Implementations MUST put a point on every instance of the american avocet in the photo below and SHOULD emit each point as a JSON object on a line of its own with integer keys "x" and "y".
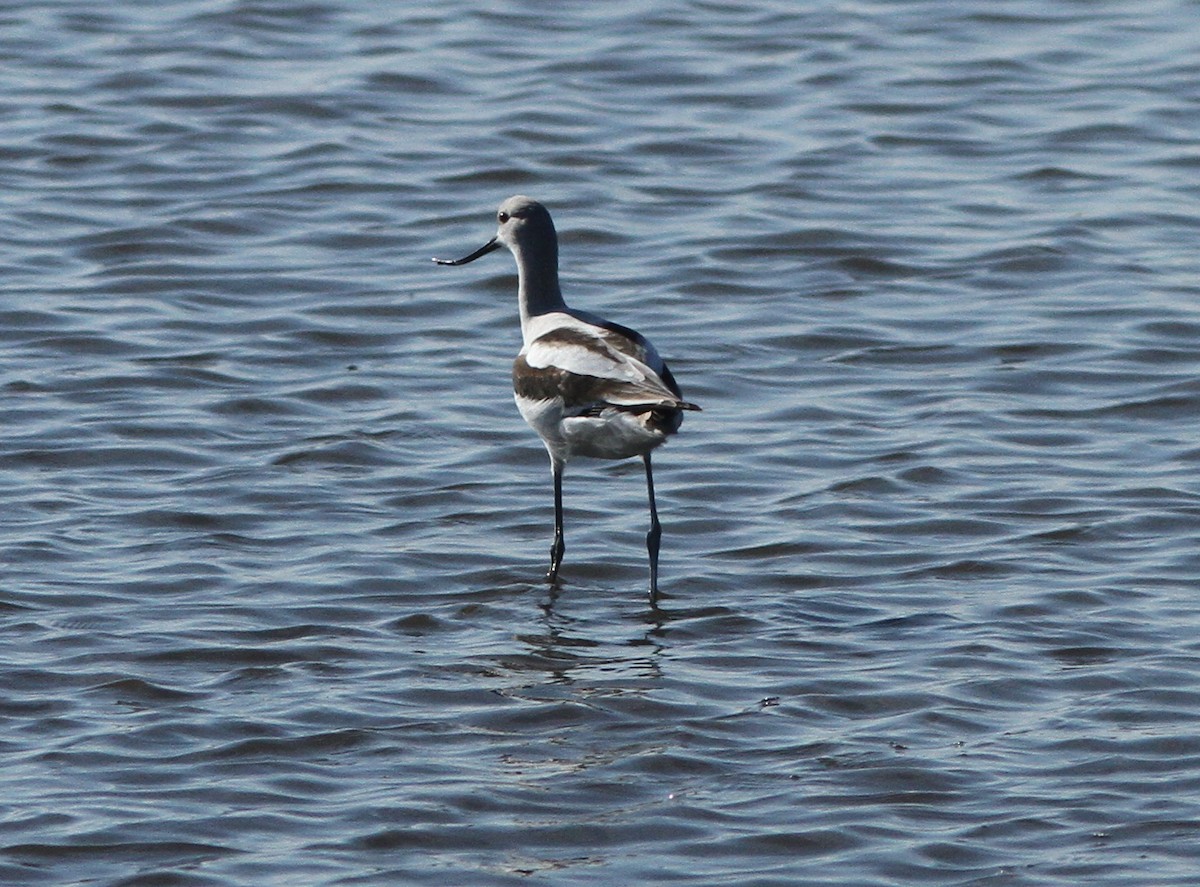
{"x": 587, "y": 386}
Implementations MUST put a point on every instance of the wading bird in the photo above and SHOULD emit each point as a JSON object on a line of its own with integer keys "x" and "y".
{"x": 587, "y": 386}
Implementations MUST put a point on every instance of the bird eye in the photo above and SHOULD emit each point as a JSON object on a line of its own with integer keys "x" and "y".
{"x": 503, "y": 217}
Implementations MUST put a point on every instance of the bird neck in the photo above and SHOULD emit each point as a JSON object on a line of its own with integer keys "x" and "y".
{"x": 537, "y": 275}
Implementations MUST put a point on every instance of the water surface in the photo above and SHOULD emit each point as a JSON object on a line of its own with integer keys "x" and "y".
{"x": 274, "y": 533}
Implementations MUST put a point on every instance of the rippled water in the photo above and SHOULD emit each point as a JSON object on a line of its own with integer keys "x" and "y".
{"x": 274, "y": 534}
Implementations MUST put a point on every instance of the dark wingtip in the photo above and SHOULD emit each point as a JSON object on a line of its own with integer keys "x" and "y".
{"x": 639, "y": 408}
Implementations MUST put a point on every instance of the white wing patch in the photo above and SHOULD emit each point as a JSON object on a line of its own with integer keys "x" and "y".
{"x": 584, "y": 356}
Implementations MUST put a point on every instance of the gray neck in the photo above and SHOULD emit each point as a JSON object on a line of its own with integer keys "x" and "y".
{"x": 537, "y": 274}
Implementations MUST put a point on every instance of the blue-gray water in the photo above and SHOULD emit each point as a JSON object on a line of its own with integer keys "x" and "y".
{"x": 273, "y": 532}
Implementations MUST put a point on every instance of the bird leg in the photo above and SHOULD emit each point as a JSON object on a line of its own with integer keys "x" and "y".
{"x": 652, "y": 537}
{"x": 558, "y": 547}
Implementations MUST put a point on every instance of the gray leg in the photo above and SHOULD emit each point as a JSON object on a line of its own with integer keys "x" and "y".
{"x": 558, "y": 547}
{"x": 655, "y": 534}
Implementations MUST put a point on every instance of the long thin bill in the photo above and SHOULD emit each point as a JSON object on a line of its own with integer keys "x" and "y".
{"x": 492, "y": 244}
